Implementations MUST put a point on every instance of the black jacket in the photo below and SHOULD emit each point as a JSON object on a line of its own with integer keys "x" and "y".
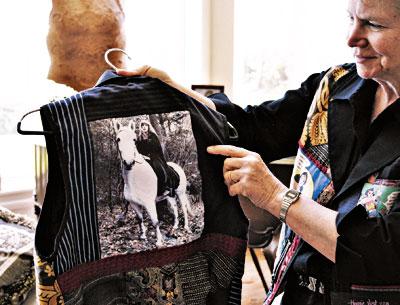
{"x": 360, "y": 155}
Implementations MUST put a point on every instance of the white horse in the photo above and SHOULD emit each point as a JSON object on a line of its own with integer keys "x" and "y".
{"x": 140, "y": 182}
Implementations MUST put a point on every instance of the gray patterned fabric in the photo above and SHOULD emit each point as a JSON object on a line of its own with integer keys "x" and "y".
{"x": 16, "y": 258}
{"x": 204, "y": 278}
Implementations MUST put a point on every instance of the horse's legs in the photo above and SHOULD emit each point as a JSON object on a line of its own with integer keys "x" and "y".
{"x": 151, "y": 209}
{"x": 121, "y": 217}
{"x": 185, "y": 204}
{"x": 140, "y": 216}
{"x": 174, "y": 206}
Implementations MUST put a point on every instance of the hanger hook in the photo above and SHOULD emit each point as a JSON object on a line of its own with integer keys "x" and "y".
{"x": 114, "y": 50}
{"x": 31, "y": 132}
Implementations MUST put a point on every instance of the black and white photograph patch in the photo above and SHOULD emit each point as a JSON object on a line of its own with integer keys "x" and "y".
{"x": 148, "y": 185}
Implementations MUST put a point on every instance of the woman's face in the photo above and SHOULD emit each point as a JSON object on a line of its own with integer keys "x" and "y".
{"x": 145, "y": 127}
{"x": 374, "y": 35}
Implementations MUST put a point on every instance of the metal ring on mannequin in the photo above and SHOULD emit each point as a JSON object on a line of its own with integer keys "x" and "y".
{"x": 114, "y": 50}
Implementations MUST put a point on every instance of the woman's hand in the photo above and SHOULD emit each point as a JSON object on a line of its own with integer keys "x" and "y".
{"x": 246, "y": 174}
{"x": 146, "y": 71}
{"x": 164, "y": 77}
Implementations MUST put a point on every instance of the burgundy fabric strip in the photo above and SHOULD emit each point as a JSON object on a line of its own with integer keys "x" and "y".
{"x": 72, "y": 279}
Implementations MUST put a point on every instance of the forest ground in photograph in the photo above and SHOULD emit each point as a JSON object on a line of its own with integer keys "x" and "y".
{"x": 123, "y": 236}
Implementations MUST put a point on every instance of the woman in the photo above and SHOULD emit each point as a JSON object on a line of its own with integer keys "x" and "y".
{"x": 149, "y": 145}
{"x": 331, "y": 251}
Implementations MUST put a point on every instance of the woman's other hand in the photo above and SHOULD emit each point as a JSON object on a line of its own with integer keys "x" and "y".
{"x": 147, "y": 70}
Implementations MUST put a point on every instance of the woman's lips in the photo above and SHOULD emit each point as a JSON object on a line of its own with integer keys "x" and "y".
{"x": 362, "y": 58}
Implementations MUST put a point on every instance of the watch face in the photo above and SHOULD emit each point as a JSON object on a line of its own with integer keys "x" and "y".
{"x": 292, "y": 194}
{"x": 289, "y": 198}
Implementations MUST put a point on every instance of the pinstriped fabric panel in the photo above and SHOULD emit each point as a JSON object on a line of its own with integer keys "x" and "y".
{"x": 195, "y": 278}
{"x": 235, "y": 293}
{"x": 206, "y": 272}
{"x": 78, "y": 243}
{"x": 228, "y": 272}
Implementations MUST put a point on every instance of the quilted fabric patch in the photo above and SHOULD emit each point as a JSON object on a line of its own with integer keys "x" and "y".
{"x": 379, "y": 195}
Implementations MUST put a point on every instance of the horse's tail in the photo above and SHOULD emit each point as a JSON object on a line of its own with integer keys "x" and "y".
{"x": 182, "y": 188}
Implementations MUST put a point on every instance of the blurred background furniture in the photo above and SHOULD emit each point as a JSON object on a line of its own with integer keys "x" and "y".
{"x": 41, "y": 172}
{"x": 264, "y": 230}
{"x": 17, "y": 279}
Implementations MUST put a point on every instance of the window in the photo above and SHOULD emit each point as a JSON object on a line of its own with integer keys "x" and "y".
{"x": 277, "y": 44}
{"x": 169, "y": 35}
{"x": 25, "y": 62}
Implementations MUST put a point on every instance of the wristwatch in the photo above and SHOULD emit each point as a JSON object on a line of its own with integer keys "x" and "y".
{"x": 290, "y": 197}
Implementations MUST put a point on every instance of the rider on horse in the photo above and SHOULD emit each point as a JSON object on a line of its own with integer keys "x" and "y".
{"x": 149, "y": 145}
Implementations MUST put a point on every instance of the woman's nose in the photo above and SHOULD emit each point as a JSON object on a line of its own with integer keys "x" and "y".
{"x": 356, "y": 36}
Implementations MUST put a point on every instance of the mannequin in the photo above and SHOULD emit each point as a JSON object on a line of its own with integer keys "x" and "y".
{"x": 79, "y": 34}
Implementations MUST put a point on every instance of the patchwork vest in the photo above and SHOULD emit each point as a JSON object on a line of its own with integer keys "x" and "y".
{"x": 105, "y": 234}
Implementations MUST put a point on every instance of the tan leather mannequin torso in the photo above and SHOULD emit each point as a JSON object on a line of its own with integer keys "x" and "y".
{"x": 79, "y": 34}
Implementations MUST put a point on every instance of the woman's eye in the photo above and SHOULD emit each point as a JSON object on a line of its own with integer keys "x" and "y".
{"x": 374, "y": 25}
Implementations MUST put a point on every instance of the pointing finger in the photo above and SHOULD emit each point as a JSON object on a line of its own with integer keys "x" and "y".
{"x": 228, "y": 150}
